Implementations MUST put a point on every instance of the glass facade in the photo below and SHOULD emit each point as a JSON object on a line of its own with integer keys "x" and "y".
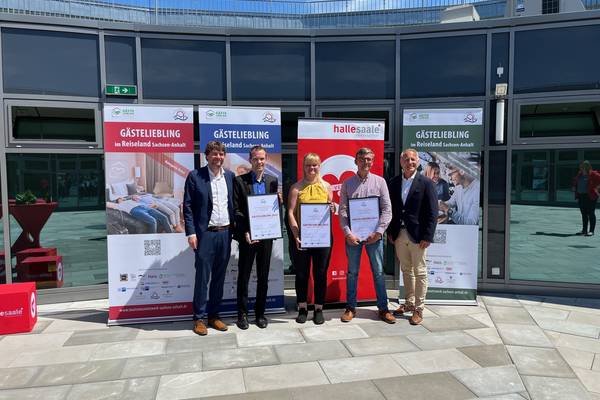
{"x": 443, "y": 67}
{"x": 121, "y": 65}
{"x": 540, "y": 53}
{"x": 545, "y": 218}
{"x": 270, "y": 71}
{"x": 51, "y": 97}
{"x": 355, "y": 70}
{"x": 556, "y": 120}
{"x": 183, "y": 69}
{"x": 50, "y": 63}
{"x": 56, "y": 204}
{"x": 53, "y": 124}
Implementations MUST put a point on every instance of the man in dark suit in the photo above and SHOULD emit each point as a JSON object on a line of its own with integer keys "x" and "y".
{"x": 255, "y": 182}
{"x": 414, "y": 216}
{"x": 209, "y": 220}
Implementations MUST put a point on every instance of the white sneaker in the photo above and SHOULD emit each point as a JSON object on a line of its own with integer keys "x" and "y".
{"x": 589, "y": 234}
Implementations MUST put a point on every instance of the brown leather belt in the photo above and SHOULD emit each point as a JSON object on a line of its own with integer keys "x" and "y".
{"x": 217, "y": 228}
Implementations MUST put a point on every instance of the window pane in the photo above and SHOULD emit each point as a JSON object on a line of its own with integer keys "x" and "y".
{"x": 449, "y": 66}
{"x": 183, "y": 69}
{"x": 496, "y": 214}
{"x": 380, "y": 115}
{"x": 47, "y": 123}
{"x": 564, "y": 119}
{"x": 355, "y": 70}
{"x": 290, "y": 176}
{"x": 66, "y": 218}
{"x": 54, "y": 63}
{"x": 539, "y": 54}
{"x": 289, "y": 126}
{"x": 544, "y": 244}
{"x": 120, "y": 60}
{"x": 270, "y": 71}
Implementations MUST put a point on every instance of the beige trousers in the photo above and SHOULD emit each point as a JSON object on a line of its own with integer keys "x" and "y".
{"x": 414, "y": 270}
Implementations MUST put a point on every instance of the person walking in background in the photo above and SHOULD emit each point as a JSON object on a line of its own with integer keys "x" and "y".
{"x": 586, "y": 185}
{"x": 414, "y": 216}
{"x": 311, "y": 189}
{"x": 209, "y": 218}
{"x": 365, "y": 184}
{"x": 254, "y": 182}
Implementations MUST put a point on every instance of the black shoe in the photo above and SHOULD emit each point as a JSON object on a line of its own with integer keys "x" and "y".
{"x": 581, "y": 233}
{"x": 318, "y": 318}
{"x": 262, "y": 322}
{"x": 242, "y": 322}
{"x": 302, "y": 315}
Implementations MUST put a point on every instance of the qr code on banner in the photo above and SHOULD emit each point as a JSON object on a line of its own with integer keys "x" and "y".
{"x": 152, "y": 247}
{"x": 440, "y": 236}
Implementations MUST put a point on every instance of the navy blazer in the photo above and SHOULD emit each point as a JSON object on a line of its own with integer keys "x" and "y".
{"x": 419, "y": 213}
{"x": 242, "y": 189}
{"x": 197, "y": 201}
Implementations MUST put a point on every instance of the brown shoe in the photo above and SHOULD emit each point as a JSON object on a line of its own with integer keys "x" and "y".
{"x": 398, "y": 312}
{"x": 200, "y": 328}
{"x": 386, "y": 316}
{"x": 416, "y": 318}
{"x": 217, "y": 324}
{"x": 348, "y": 315}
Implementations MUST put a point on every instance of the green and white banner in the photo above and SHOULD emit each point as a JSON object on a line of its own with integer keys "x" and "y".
{"x": 449, "y": 144}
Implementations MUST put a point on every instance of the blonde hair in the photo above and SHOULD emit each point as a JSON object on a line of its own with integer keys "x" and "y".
{"x": 312, "y": 158}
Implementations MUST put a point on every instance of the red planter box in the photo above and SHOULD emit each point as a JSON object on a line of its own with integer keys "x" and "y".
{"x": 18, "y": 307}
{"x": 46, "y": 271}
{"x": 35, "y": 252}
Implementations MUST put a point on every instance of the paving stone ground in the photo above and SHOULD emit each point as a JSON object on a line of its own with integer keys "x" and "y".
{"x": 505, "y": 348}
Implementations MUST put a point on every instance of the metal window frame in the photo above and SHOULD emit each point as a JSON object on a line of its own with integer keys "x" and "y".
{"x": 10, "y": 140}
{"x": 516, "y": 120}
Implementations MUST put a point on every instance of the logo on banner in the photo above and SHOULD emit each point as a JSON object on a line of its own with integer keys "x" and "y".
{"x": 180, "y": 115}
{"x": 210, "y": 114}
{"x": 416, "y": 116}
{"x": 335, "y": 170}
{"x": 269, "y": 117}
{"x": 122, "y": 112}
{"x": 33, "y": 305}
{"x": 470, "y": 118}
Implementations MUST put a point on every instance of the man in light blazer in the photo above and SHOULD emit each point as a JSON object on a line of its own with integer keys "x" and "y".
{"x": 255, "y": 182}
{"x": 414, "y": 217}
{"x": 209, "y": 222}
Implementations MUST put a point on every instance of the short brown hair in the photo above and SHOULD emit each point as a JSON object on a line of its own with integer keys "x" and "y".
{"x": 214, "y": 145}
{"x": 363, "y": 151}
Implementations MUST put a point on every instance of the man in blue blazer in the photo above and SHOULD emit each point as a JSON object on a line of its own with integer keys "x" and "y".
{"x": 414, "y": 217}
{"x": 209, "y": 222}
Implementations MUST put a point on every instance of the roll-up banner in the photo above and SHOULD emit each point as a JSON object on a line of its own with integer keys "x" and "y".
{"x": 336, "y": 142}
{"x": 240, "y": 129}
{"x": 449, "y": 145}
{"x": 149, "y": 152}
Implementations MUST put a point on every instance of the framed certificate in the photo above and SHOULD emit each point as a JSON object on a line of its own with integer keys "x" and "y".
{"x": 315, "y": 225}
{"x": 264, "y": 216}
{"x": 364, "y": 216}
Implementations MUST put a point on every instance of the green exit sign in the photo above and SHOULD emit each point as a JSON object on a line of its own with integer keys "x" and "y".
{"x": 121, "y": 90}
